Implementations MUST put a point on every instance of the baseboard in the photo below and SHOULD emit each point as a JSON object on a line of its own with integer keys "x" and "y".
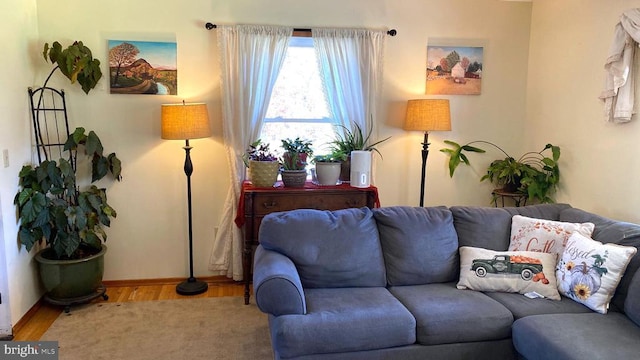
{"x": 133, "y": 282}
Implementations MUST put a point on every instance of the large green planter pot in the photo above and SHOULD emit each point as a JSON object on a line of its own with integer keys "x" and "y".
{"x": 71, "y": 279}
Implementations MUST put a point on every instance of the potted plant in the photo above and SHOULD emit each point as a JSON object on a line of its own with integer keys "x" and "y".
{"x": 52, "y": 209}
{"x": 328, "y": 168}
{"x": 262, "y": 163}
{"x": 348, "y": 140}
{"x": 534, "y": 173}
{"x": 294, "y": 161}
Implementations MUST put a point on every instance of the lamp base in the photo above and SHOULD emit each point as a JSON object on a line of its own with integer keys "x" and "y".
{"x": 191, "y": 286}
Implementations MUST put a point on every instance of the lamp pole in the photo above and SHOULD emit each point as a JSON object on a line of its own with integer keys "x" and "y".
{"x": 191, "y": 286}
{"x": 425, "y": 153}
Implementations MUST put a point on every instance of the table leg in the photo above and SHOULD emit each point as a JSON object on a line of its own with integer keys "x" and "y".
{"x": 246, "y": 270}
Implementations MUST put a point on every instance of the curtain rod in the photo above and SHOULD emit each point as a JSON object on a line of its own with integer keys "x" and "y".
{"x": 210, "y": 26}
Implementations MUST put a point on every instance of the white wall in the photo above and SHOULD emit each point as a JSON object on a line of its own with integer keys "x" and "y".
{"x": 19, "y": 40}
{"x": 148, "y": 239}
{"x": 599, "y": 163}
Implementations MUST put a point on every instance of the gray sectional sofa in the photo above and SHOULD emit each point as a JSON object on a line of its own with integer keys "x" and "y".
{"x": 381, "y": 284}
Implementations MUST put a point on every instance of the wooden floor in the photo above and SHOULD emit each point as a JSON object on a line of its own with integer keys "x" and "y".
{"x": 40, "y": 318}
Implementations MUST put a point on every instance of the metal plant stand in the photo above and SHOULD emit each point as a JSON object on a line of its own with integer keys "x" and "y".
{"x": 68, "y": 303}
{"x": 51, "y": 129}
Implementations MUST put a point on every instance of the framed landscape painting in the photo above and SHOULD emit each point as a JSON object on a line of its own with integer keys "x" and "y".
{"x": 143, "y": 67}
{"x": 454, "y": 70}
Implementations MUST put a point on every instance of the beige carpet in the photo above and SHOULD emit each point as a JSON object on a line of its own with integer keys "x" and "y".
{"x": 203, "y": 328}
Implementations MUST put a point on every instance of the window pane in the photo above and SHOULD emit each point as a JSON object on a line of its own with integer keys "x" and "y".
{"x": 320, "y": 134}
{"x": 298, "y": 107}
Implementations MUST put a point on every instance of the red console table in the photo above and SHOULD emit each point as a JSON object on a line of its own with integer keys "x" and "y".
{"x": 255, "y": 203}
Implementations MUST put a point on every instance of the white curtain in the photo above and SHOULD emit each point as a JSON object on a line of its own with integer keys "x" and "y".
{"x": 251, "y": 57}
{"x": 351, "y": 66}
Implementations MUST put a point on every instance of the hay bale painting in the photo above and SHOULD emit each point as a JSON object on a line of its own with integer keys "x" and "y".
{"x": 454, "y": 70}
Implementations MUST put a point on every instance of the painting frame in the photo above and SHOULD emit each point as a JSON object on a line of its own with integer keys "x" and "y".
{"x": 454, "y": 67}
{"x": 143, "y": 67}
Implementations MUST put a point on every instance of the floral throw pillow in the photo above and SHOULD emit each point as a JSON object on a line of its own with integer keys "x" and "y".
{"x": 530, "y": 234}
{"x": 589, "y": 271}
{"x": 508, "y": 271}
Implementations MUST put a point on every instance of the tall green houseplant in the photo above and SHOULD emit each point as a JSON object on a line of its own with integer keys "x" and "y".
{"x": 534, "y": 173}
{"x": 76, "y": 62}
{"x": 53, "y": 209}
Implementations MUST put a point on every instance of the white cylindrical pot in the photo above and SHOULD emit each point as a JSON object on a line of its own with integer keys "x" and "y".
{"x": 360, "y": 169}
{"x": 328, "y": 173}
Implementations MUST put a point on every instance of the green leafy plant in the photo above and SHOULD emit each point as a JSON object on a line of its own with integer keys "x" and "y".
{"x": 258, "y": 151}
{"x": 52, "y": 208}
{"x": 533, "y": 173}
{"x": 297, "y": 145}
{"x": 296, "y": 153}
{"x": 335, "y": 157}
{"x": 76, "y": 63}
{"x": 349, "y": 140}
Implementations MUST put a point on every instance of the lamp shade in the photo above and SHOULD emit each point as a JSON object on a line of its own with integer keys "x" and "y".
{"x": 428, "y": 115}
{"x": 185, "y": 121}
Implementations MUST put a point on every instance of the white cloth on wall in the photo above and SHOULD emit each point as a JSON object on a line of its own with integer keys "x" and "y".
{"x": 619, "y": 90}
{"x": 251, "y": 58}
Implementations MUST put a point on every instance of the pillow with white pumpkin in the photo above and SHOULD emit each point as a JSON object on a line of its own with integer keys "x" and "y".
{"x": 589, "y": 271}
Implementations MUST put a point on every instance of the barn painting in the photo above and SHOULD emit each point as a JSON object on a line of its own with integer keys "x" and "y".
{"x": 143, "y": 67}
{"x": 454, "y": 70}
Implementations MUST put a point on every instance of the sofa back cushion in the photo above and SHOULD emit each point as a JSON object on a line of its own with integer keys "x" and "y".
{"x": 632, "y": 303}
{"x": 420, "y": 245}
{"x": 329, "y": 248}
{"x": 616, "y": 232}
{"x": 490, "y": 228}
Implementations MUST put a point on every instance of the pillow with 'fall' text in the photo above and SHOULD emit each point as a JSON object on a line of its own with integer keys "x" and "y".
{"x": 530, "y": 234}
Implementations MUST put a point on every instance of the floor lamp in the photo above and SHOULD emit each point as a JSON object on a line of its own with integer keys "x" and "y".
{"x": 184, "y": 122}
{"x": 427, "y": 115}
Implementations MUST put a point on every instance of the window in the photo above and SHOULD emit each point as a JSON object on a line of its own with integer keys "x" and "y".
{"x": 298, "y": 107}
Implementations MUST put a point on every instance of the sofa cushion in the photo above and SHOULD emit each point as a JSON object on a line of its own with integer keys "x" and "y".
{"x": 540, "y": 211}
{"x": 420, "y": 245}
{"x": 589, "y": 271}
{"x": 329, "y": 248}
{"x": 576, "y": 336}
{"x": 611, "y": 231}
{"x": 632, "y": 303}
{"x": 508, "y": 271}
{"x": 533, "y": 234}
{"x": 446, "y": 315}
{"x": 483, "y": 227}
{"x": 343, "y": 320}
{"x": 490, "y": 228}
{"x": 521, "y": 306}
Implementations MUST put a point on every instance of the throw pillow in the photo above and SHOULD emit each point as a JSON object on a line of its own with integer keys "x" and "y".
{"x": 529, "y": 234}
{"x": 508, "y": 271}
{"x": 589, "y": 271}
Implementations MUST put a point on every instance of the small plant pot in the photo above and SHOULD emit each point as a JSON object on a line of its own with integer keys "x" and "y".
{"x": 294, "y": 178}
{"x": 328, "y": 173}
{"x": 263, "y": 173}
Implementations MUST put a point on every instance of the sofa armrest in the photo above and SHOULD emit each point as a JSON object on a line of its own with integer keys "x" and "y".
{"x": 276, "y": 284}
